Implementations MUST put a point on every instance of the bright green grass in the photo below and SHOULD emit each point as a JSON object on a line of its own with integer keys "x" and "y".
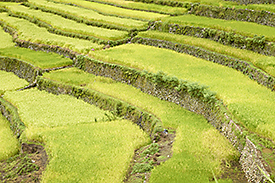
{"x": 202, "y": 152}
{"x": 31, "y": 32}
{"x": 8, "y": 143}
{"x": 253, "y": 104}
{"x": 41, "y": 109}
{"x": 89, "y": 14}
{"x": 98, "y": 152}
{"x": 39, "y": 59}
{"x": 9, "y": 81}
{"x": 263, "y": 62}
{"x": 146, "y": 6}
{"x": 243, "y": 28}
{"x": 6, "y": 39}
{"x": 67, "y": 25}
{"x": 111, "y": 10}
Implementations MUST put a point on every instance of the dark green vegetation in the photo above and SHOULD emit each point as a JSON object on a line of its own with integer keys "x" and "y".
{"x": 93, "y": 143}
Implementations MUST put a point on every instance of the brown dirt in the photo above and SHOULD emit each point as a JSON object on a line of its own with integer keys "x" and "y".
{"x": 233, "y": 170}
{"x": 269, "y": 161}
{"x": 26, "y": 166}
{"x": 165, "y": 142}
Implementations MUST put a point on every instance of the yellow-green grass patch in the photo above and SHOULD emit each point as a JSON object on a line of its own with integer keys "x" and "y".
{"x": 97, "y": 152}
{"x": 202, "y": 152}
{"x": 6, "y": 39}
{"x": 9, "y": 145}
{"x": 9, "y": 81}
{"x": 39, "y": 59}
{"x": 31, "y": 32}
{"x": 243, "y": 28}
{"x": 237, "y": 91}
{"x": 41, "y": 109}
{"x": 266, "y": 63}
{"x": 90, "y": 15}
{"x": 67, "y": 25}
{"x": 111, "y": 10}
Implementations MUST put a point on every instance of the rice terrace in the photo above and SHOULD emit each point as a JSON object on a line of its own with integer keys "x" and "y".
{"x": 137, "y": 91}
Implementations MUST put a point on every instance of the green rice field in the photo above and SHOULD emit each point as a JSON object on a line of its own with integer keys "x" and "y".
{"x": 10, "y": 81}
{"x": 202, "y": 155}
{"x": 9, "y": 145}
{"x": 111, "y": 10}
{"x": 266, "y": 63}
{"x": 243, "y": 28}
{"x": 37, "y": 58}
{"x": 235, "y": 89}
{"x": 31, "y": 32}
{"x": 89, "y": 15}
{"x": 66, "y": 25}
{"x": 71, "y": 140}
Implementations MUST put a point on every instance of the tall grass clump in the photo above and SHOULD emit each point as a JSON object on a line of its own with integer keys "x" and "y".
{"x": 9, "y": 144}
{"x": 31, "y": 32}
{"x": 266, "y": 63}
{"x": 63, "y": 24}
{"x": 198, "y": 145}
{"x": 9, "y": 81}
{"x": 111, "y": 10}
{"x": 41, "y": 109}
{"x": 40, "y": 59}
{"x": 89, "y": 15}
{"x": 236, "y": 90}
{"x": 97, "y": 152}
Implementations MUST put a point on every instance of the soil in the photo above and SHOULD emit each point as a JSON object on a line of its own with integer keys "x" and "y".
{"x": 233, "y": 170}
{"x": 27, "y": 166}
{"x": 269, "y": 160}
{"x": 165, "y": 141}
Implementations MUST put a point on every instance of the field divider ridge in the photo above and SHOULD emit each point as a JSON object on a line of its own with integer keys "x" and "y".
{"x": 11, "y": 114}
{"x": 80, "y": 20}
{"x": 193, "y": 97}
{"x": 125, "y": 7}
{"x": 70, "y": 34}
{"x": 257, "y": 44}
{"x": 102, "y": 13}
{"x": 253, "y": 1}
{"x": 146, "y": 121}
{"x": 246, "y": 68}
{"x": 227, "y": 13}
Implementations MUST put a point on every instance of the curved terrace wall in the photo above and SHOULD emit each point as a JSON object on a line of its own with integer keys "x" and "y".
{"x": 20, "y": 68}
{"x": 247, "y": 15}
{"x": 237, "y": 64}
{"x": 256, "y": 44}
{"x": 191, "y": 96}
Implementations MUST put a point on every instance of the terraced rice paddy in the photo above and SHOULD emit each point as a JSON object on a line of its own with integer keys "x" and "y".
{"x": 31, "y": 32}
{"x": 243, "y": 28}
{"x": 265, "y": 63}
{"x": 37, "y": 58}
{"x": 89, "y": 15}
{"x": 197, "y": 152}
{"x": 85, "y": 143}
{"x": 111, "y": 10}
{"x": 10, "y": 81}
{"x": 232, "y": 87}
{"x": 66, "y": 25}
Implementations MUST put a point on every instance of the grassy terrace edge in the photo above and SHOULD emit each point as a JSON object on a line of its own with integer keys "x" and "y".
{"x": 246, "y": 68}
{"x": 257, "y": 44}
{"x": 199, "y": 91}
